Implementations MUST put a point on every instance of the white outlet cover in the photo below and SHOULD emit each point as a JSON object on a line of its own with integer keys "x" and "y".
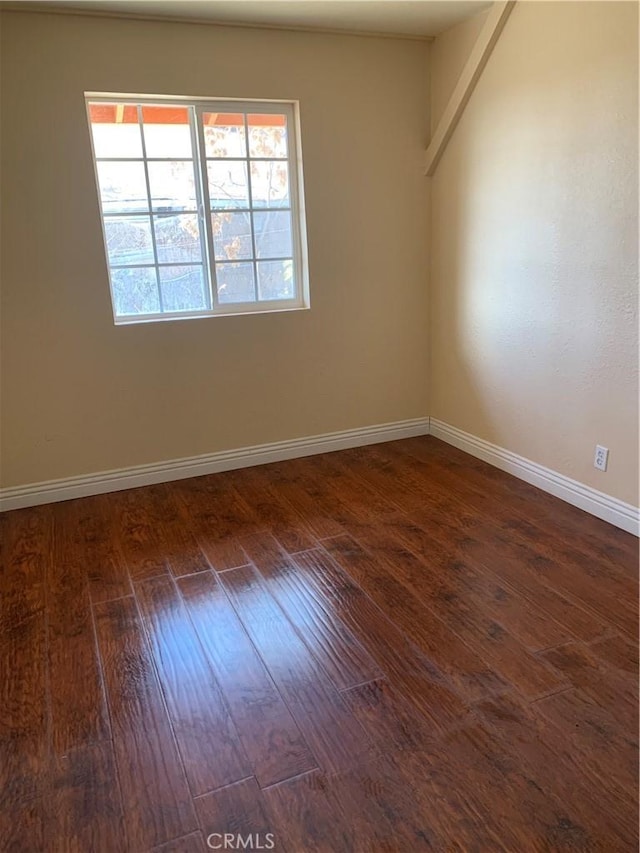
{"x": 601, "y": 458}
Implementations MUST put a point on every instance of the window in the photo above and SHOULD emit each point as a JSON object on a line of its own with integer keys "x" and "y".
{"x": 201, "y": 206}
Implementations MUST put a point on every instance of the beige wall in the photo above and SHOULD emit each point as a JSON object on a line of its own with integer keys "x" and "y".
{"x": 534, "y": 246}
{"x": 80, "y": 395}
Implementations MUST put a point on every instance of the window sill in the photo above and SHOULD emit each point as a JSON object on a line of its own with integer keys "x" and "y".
{"x": 229, "y": 311}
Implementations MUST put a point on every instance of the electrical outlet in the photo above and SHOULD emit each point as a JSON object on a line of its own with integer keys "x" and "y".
{"x": 601, "y": 458}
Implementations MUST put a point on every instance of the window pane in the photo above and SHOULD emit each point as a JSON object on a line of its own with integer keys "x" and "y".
{"x": 224, "y": 135}
{"x": 235, "y": 282}
{"x": 270, "y": 184}
{"x": 227, "y": 184}
{"x": 123, "y": 187}
{"x": 231, "y": 236}
{"x": 275, "y": 280}
{"x": 273, "y": 234}
{"x": 177, "y": 238}
{"x": 135, "y": 291}
{"x": 150, "y": 162}
{"x": 115, "y": 130}
{"x": 267, "y": 135}
{"x": 183, "y": 288}
{"x": 129, "y": 240}
{"x": 172, "y": 185}
{"x": 167, "y": 132}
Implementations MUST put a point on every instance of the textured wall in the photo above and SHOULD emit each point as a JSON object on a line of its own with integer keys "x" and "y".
{"x": 534, "y": 261}
{"x": 80, "y": 395}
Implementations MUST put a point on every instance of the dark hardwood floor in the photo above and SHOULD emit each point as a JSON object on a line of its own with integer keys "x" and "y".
{"x": 394, "y": 648}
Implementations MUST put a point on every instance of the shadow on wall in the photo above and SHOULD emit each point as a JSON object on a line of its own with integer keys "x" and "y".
{"x": 455, "y": 386}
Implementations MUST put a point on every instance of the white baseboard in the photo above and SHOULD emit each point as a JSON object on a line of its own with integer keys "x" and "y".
{"x": 52, "y": 491}
{"x": 623, "y": 515}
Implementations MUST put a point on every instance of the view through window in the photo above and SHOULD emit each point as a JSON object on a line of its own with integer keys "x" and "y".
{"x": 201, "y": 206}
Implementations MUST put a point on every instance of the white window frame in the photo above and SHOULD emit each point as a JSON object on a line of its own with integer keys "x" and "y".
{"x": 200, "y": 105}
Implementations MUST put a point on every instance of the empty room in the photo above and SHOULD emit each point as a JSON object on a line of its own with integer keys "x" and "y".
{"x": 319, "y": 426}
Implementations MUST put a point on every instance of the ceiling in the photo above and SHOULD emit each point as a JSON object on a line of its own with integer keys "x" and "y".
{"x": 410, "y": 18}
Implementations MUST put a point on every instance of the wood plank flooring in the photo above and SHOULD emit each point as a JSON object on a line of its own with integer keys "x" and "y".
{"x": 393, "y": 648}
